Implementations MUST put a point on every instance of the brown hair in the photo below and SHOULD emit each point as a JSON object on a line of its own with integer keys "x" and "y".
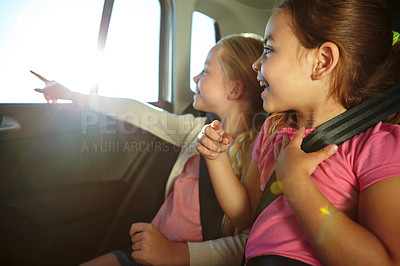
{"x": 362, "y": 29}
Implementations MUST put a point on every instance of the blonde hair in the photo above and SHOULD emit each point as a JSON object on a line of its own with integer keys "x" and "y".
{"x": 236, "y": 54}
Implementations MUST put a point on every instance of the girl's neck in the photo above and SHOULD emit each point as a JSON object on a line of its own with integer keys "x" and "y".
{"x": 315, "y": 118}
{"x": 235, "y": 123}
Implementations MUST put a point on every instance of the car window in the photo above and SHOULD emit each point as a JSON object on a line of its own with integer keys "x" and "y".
{"x": 131, "y": 55}
{"x": 58, "y": 39}
{"x": 203, "y": 39}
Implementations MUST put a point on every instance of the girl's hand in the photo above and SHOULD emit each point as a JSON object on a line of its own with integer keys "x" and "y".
{"x": 291, "y": 162}
{"x": 213, "y": 140}
{"x": 53, "y": 90}
{"x": 150, "y": 246}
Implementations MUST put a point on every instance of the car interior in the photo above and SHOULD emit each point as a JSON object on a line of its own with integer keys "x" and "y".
{"x": 72, "y": 180}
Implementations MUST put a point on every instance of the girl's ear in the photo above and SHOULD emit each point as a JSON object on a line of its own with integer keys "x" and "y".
{"x": 327, "y": 58}
{"x": 236, "y": 91}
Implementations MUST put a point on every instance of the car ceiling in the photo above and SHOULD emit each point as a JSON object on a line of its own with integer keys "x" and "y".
{"x": 263, "y": 4}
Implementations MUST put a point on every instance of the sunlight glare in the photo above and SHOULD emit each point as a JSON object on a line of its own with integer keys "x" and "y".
{"x": 58, "y": 40}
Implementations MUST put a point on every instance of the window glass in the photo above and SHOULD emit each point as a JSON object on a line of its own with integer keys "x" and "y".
{"x": 203, "y": 39}
{"x": 57, "y": 39}
{"x": 131, "y": 56}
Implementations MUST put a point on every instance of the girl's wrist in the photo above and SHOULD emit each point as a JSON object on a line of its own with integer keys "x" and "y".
{"x": 78, "y": 98}
{"x": 297, "y": 187}
{"x": 181, "y": 254}
{"x": 73, "y": 97}
{"x": 219, "y": 156}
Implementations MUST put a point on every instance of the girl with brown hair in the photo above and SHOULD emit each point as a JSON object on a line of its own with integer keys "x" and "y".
{"x": 341, "y": 204}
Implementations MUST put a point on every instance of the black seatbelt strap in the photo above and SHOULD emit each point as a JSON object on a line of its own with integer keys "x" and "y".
{"x": 267, "y": 196}
{"x": 341, "y": 128}
{"x": 354, "y": 121}
{"x": 210, "y": 212}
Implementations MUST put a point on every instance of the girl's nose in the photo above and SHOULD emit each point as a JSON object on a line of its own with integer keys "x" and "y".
{"x": 256, "y": 65}
{"x": 196, "y": 78}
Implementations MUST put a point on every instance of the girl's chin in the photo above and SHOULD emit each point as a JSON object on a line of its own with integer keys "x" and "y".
{"x": 265, "y": 99}
{"x": 268, "y": 107}
{"x": 196, "y": 104}
{"x": 199, "y": 106}
{"x": 195, "y": 99}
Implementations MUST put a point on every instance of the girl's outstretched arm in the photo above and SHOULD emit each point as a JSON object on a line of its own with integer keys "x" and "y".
{"x": 236, "y": 199}
{"x": 54, "y": 91}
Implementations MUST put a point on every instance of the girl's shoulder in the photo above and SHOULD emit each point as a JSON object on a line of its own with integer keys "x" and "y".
{"x": 374, "y": 154}
{"x": 385, "y": 127}
{"x": 387, "y": 133}
{"x": 380, "y": 141}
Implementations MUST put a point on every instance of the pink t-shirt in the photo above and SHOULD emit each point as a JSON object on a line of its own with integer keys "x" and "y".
{"x": 179, "y": 216}
{"x": 359, "y": 162}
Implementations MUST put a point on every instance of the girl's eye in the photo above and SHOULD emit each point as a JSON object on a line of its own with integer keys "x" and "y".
{"x": 267, "y": 50}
